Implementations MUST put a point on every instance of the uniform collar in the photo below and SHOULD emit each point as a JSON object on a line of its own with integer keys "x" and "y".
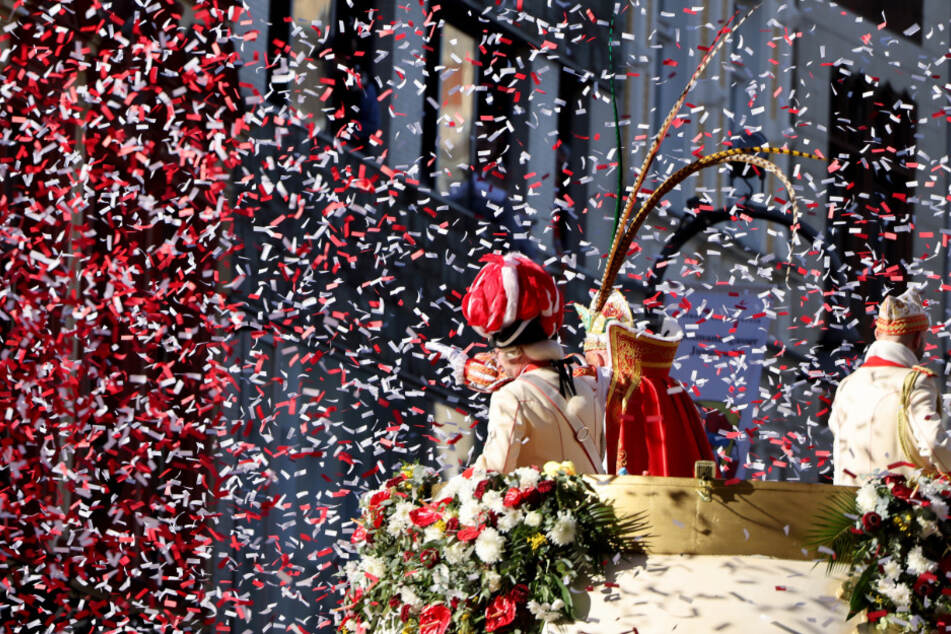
{"x": 892, "y": 351}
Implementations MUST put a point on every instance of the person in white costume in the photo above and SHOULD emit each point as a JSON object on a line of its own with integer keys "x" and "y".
{"x": 889, "y": 410}
{"x": 544, "y": 411}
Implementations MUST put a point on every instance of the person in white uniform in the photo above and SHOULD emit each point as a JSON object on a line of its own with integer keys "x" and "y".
{"x": 544, "y": 411}
{"x": 887, "y": 414}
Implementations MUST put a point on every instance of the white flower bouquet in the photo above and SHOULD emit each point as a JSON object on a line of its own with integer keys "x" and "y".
{"x": 895, "y": 537}
{"x": 488, "y": 552}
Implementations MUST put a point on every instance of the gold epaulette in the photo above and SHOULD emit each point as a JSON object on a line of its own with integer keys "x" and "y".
{"x": 926, "y": 371}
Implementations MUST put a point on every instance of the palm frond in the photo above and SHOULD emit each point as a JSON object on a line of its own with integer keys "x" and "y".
{"x": 832, "y": 528}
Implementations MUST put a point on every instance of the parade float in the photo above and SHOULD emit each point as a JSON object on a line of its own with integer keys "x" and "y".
{"x": 544, "y": 549}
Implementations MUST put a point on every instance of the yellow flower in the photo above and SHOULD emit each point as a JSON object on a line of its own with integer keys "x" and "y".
{"x": 552, "y": 468}
{"x": 441, "y": 525}
{"x": 536, "y": 541}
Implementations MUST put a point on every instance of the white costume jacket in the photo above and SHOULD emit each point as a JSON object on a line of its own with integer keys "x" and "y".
{"x": 530, "y": 424}
{"x": 887, "y": 412}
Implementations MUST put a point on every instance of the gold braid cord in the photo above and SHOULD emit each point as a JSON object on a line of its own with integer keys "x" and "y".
{"x": 734, "y": 155}
{"x": 722, "y": 37}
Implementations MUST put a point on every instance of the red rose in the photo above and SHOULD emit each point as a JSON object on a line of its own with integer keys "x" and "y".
{"x": 901, "y": 491}
{"x": 452, "y": 524}
{"x": 499, "y": 613}
{"x": 469, "y": 533}
{"x": 394, "y": 602}
{"x": 520, "y": 593}
{"x": 392, "y": 482}
{"x": 434, "y": 619}
{"x": 359, "y": 535}
{"x": 429, "y": 557}
{"x": 480, "y": 489}
{"x": 546, "y": 486}
{"x": 871, "y": 521}
{"x": 424, "y": 516}
{"x": 531, "y": 496}
{"x": 512, "y": 498}
{"x": 924, "y": 585}
{"x": 405, "y": 613}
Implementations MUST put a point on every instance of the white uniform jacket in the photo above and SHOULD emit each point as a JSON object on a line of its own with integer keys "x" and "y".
{"x": 530, "y": 424}
{"x": 887, "y": 412}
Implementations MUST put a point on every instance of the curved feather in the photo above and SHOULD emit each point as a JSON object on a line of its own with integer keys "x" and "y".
{"x": 722, "y": 37}
{"x": 741, "y": 155}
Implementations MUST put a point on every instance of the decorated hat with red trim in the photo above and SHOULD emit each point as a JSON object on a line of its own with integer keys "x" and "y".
{"x": 513, "y": 301}
{"x": 901, "y": 315}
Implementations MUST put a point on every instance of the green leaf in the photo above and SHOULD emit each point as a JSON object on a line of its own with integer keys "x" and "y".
{"x": 832, "y": 528}
{"x": 858, "y": 602}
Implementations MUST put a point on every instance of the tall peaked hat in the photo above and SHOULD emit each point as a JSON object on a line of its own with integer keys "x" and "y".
{"x": 901, "y": 315}
{"x": 616, "y": 310}
{"x": 513, "y": 301}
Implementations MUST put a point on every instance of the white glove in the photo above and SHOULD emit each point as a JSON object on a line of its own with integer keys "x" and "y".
{"x": 456, "y": 358}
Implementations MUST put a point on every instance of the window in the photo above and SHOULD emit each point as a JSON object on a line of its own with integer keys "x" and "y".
{"x": 872, "y": 130}
{"x": 477, "y": 76}
{"x": 457, "y": 110}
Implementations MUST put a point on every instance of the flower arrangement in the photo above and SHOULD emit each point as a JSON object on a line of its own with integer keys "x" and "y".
{"x": 489, "y": 552}
{"x": 895, "y": 537}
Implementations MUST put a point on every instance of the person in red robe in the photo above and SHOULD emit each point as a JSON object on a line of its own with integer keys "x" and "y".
{"x": 652, "y": 425}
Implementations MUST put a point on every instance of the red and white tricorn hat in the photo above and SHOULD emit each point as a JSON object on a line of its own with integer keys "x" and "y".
{"x": 513, "y": 301}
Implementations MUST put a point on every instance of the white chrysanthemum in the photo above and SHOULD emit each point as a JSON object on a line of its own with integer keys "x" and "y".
{"x": 867, "y": 498}
{"x": 409, "y": 597}
{"x": 546, "y": 612}
{"x": 940, "y": 507}
{"x": 399, "y": 520}
{"x": 432, "y": 533}
{"x": 563, "y": 532}
{"x": 460, "y": 487}
{"x": 353, "y": 572}
{"x": 533, "y": 519}
{"x": 918, "y": 563}
{"x": 451, "y": 489}
{"x": 374, "y": 565}
{"x": 441, "y": 578}
{"x": 897, "y": 593}
{"x": 509, "y": 520}
{"x": 493, "y": 501}
{"x": 469, "y": 512}
{"x": 527, "y": 477}
{"x": 891, "y": 570}
{"x": 488, "y": 545}
{"x": 457, "y": 553}
{"x": 492, "y": 580}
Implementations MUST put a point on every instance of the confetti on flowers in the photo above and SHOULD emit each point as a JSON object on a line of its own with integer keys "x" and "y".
{"x": 486, "y": 552}
{"x": 894, "y": 536}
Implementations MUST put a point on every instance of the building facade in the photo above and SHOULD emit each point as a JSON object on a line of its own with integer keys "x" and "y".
{"x": 396, "y": 143}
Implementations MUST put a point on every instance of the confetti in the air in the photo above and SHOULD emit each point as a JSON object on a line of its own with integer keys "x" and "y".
{"x": 235, "y": 236}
